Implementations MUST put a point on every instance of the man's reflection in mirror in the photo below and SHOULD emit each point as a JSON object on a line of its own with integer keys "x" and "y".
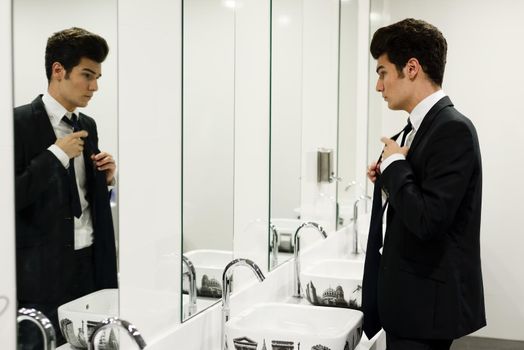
{"x": 65, "y": 245}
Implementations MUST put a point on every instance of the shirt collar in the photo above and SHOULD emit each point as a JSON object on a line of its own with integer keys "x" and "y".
{"x": 419, "y": 112}
{"x": 55, "y": 110}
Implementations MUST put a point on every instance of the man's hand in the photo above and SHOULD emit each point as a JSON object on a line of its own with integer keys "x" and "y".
{"x": 391, "y": 147}
{"x": 72, "y": 144}
{"x": 373, "y": 170}
{"x": 103, "y": 161}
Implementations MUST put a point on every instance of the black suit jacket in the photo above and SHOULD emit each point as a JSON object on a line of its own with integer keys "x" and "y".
{"x": 44, "y": 219}
{"x": 430, "y": 282}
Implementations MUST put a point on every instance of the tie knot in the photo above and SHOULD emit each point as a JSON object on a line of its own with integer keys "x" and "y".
{"x": 408, "y": 127}
{"x": 73, "y": 122}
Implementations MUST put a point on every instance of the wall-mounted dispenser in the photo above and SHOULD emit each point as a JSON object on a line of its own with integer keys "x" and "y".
{"x": 325, "y": 171}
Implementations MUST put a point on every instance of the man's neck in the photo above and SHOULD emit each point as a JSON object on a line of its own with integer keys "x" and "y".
{"x": 53, "y": 91}
{"x": 420, "y": 93}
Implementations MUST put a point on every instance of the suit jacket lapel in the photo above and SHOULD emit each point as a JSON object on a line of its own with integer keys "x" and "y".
{"x": 428, "y": 120}
{"x": 42, "y": 122}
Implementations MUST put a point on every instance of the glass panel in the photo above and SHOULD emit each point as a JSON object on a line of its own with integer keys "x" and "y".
{"x": 55, "y": 256}
{"x": 286, "y": 125}
{"x": 208, "y": 147}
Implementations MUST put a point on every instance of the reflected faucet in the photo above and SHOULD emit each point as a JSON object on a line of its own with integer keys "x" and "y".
{"x": 275, "y": 242}
{"x": 349, "y": 185}
{"x": 226, "y": 288}
{"x": 364, "y": 197}
{"x": 46, "y": 327}
{"x": 296, "y": 241}
{"x": 191, "y": 274}
{"x": 116, "y": 322}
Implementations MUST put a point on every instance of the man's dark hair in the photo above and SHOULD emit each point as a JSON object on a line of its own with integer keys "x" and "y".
{"x": 411, "y": 38}
{"x": 69, "y": 46}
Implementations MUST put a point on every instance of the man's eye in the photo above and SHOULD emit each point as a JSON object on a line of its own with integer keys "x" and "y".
{"x": 88, "y": 76}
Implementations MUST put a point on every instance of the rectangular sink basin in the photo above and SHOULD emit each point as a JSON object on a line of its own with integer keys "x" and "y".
{"x": 202, "y": 304}
{"x": 78, "y": 318}
{"x": 209, "y": 265}
{"x": 293, "y": 327}
{"x": 334, "y": 282}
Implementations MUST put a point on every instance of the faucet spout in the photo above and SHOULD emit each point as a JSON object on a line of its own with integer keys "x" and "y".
{"x": 275, "y": 242}
{"x": 43, "y": 323}
{"x": 116, "y": 322}
{"x": 191, "y": 274}
{"x": 296, "y": 250}
{"x": 227, "y": 281}
{"x": 355, "y": 221}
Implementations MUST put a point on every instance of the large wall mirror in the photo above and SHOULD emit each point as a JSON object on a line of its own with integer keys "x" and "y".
{"x": 225, "y": 60}
{"x": 286, "y": 126}
{"x": 304, "y": 51}
{"x": 33, "y": 22}
{"x": 350, "y": 188}
{"x": 208, "y": 148}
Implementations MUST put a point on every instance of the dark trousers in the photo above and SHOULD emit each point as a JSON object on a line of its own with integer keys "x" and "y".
{"x": 396, "y": 343}
{"x": 29, "y": 335}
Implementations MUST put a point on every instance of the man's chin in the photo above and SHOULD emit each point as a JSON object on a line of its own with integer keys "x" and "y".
{"x": 393, "y": 107}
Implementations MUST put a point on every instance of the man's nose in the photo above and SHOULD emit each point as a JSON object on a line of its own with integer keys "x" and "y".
{"x": 93, "y": 86}
{"x": 379, "y": 87}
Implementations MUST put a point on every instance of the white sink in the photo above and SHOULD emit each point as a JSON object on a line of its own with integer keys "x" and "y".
{"x": 209, "y": 265}
{"x": 287, "y": 326}
{"x": 79, "y": 317}
{"x": 334, "y": 282}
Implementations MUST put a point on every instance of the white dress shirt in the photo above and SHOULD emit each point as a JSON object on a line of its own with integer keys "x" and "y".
{"x": 84, "y": 224}
{"x": 416, "y": 117}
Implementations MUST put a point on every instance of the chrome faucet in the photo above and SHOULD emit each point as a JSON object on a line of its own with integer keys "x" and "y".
{"x": 46, "y": 327}
{"x": 275, "y": 242}
{"x": 296, "y": 241}
{"x": 349, "y": 185}
{"x": 226, "y": 289}
{"x": 116, "y": 322}
{"x": 364, "y": 197}
{"x": 191, "y": 274}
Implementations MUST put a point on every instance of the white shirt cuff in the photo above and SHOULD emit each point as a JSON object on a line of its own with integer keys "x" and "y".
{"x": 60, "y": 154}
{"x": 392, "y": 158}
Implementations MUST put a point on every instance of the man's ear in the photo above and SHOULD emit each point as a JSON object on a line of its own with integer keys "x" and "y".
{"x": 412, "y": 68}
{"x": 58, "y": 71}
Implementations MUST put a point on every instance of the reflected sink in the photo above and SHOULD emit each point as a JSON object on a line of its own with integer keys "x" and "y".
{"x": 294, "y": 327}
{"x": 209, "y": 265}
{"x": 334, "y": 282}
{"x": 78, "y": 318}
{"x": 286, "y": 229}
{"x": 202, "y": 304}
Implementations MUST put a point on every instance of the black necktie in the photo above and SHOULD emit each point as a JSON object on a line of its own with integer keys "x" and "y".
{"x": 372, "y": 323}
{"x": 75, "y": 197}
{"x": 405, "y": 132}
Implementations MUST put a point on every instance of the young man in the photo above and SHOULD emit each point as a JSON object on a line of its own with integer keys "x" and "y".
{"x": 426, "y": 289}
{"x": 65, "y": 243}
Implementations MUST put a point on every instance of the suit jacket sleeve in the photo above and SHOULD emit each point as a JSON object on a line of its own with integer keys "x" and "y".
{"x": 428, "y": 204}
{"x": 33, "y": 172}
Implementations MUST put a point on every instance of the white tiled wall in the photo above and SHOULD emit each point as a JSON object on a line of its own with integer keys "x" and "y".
{"x": 150, "y": 163}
